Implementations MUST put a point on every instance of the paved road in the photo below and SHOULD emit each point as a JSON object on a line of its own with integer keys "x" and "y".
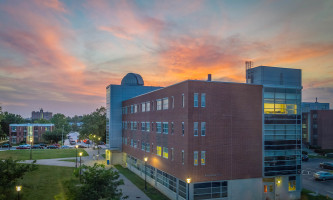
{"x": 311, "y": 167}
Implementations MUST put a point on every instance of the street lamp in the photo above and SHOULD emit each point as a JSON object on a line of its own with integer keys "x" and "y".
{"x": 80, "y": 154}
{"x": 188, "y": 180}
{"x": 146, "y": 159}
{"x": 30, "y": 148}
{"x": 76, "y": 147}
{"x": 18, "y": 189}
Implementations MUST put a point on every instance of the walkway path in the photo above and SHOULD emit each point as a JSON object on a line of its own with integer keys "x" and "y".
{"x": 129, "y": 189}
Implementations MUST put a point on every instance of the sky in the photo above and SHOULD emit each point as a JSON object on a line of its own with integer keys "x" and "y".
{"x": 61, "y": 55}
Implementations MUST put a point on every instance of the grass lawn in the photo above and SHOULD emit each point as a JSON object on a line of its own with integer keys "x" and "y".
{"x": 306, "y": 196}
{"x": 40, "y": 154}
{"x": 45, "y": 183}
{"x": 151, "y": 192}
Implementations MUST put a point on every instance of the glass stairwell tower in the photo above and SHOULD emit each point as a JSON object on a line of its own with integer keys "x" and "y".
{"x": 282, "y": 153}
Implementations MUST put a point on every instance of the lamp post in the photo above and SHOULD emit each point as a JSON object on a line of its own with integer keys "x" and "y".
{"x": 80, "y": 154}
{"x": 18, "y": 189}
{"x": 97, "y": 144}
{"x": 76, "y": 147}
{"x": 146, "y": 159}
{"x": 188, "y": 180}
{"x": 30, "y": 148}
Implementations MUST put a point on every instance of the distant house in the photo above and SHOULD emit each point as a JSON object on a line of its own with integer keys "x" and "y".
{"x": 25, "y": 132}
{"x": 36, "y": 115}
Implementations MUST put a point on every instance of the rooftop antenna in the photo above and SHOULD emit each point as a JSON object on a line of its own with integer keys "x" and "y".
{"x": 316, "y": 100}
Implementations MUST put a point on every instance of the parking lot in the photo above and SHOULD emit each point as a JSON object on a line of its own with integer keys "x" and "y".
{"x": 308, "y": 182}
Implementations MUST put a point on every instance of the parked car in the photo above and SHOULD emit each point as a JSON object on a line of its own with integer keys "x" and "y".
{"x": 37, "y": 146}
{"x": 81, "y": 146}
{"x": 326, "y": 165}
{"x": 305, "y": 157}
{"x": 72, "y": 142}
{"x": 6, "y": 145}
{"x": 323, "y": 175}
{"x": 43, "y": 145}
{"x": 52, "y": 147}
{"x": 24, "y": 146}
{"x": 67, "y": 147}
{"x": 57, "y": 145}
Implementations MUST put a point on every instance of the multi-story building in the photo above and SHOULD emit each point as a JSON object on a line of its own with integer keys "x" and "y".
{"x": 308, "y": 106}
{"x": 36, "y": 115}
{"x": 25, "y": 132}
{"x": 318, "y": 128}
{"x": 282, "y": 94}
{"x": 232, "y": 140}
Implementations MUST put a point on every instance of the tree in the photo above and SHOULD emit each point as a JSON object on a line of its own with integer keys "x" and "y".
{"x": 94, "y": 123}
{"x": 54, "y": 136}
{"x": 9, "y": 118}
{"x": 42, "y": 121}
{"x": 10, "y": 172}
{"x": 60, "y": 121}
{"x": 97, "y": 183}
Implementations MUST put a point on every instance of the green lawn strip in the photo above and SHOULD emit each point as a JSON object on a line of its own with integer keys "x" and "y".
{"x": 40, "y": 154}
{"x": 151, "y": 192}
{"x": 45, "y": 183}
{"x": 69, "y": 160}
{"x": 306, "y": 196}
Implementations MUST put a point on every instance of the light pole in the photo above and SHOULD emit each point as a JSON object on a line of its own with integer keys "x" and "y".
{"x": 30, "y": 148}
{"x": 146, "y": 159}
{"x": 97, "y": 144}
{"x": 80, "y": 165}
{"x": 188, "y": 180}
{"x": 18, "y": 189}
{"x": 76, "y": 147}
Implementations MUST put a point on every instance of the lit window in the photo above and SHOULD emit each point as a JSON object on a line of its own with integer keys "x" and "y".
{"x": 203, "y": 157}
{"x": 271, "y": 108}
{"x": 158, "y": 150}
{"x": 165, "y": 152}
{"x": 195, "y": 128}
{"x": 165, "y": 103}
{"x": 159, "y": 104}
{"x": 203, "y": 128}
{"x": 183, "y": 100}
{"x": 183, "y": 156}
{"x": 265, "y": 188}
{"x": 143, "y": 107}
{"x": 165, "y": 127}
{"x": 158, "y": 127}
{"x": 147, "y": 106}
{"x": 195, "y": 99}
{"x": 203, "y": 100}
{"x": 143, "y": 126}
{"x": 183, "y": 128}
{"x": 292, "y": 183}
{"x": 195, "y": 158}
{"x": 147, "y": 126}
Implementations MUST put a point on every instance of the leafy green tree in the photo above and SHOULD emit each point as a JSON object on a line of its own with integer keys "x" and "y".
{"x": 42, "y": 121}
{"x": 60, "y": 121}
{"x": 53, "y": 136}
{"x": 9, "y": 118}
{"x": 97, "y": 183}
{"x": 10, "y": 172}
{"x": 94, "y": 124}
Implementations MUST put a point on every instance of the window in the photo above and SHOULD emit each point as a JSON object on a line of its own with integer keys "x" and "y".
{"x": 203, "y": 128}
{"x": 158, "y": 150}
{"x": 183, "y": 156}
{"x": 183, "y": 128}
{"x": 147, "y": 126}
{"x": 135, "y": 108}
{"x": 132, "y": 143}
{"x": 158, "y": 127}
{"x": 135, "y": 144}
{"x": 195, "y": 128}
{"x": 132, "y": 109}
{"x": 165, "y": 152}
{"x": 135, "y": 126}
{"x": 159, "y": 104}
{"x": 143, "y": 147}
{"x": 152, "y": 126}
{"x": 147, "y": 147}
{"x": 165, "y": 103}
{"x": 183, "y": 100}
{"x": 203, "y": 157}
{"x": 195, "y": 158}
{"x": 203, "y": 100}
{"x": 143, "y": 107}
{"x": 196, "y": 100}
{"x": 173, "y": 102}
{"x": 172, "y": 129}
{"x": 143, "y": 126}
{"x": 165, "y": 127}
{"x": 132, "y": 126}
{"x": 292, "y": 183}
{"x": 147, "y": 106}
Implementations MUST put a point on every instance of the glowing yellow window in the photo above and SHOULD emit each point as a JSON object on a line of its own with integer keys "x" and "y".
{"x": 165, "y": 152}
{"x": 158, "y": 150}
{"x": 195, "y": 158}
{"x": 203, "y": 157}
{"x": 292, "y": 185}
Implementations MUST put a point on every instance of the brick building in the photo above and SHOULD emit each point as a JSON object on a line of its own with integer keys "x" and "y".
{"x": 25, "y": 132}
{"x": 36, "y": 115}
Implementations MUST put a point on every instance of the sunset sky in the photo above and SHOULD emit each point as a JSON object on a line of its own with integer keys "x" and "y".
{"x": 60, "y": 55}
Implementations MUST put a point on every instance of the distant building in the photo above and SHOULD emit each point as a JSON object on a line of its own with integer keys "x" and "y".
{"x": 25, "y": 132}
{"x": 36, "y": 115}
{"x": 308, "y": 106}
